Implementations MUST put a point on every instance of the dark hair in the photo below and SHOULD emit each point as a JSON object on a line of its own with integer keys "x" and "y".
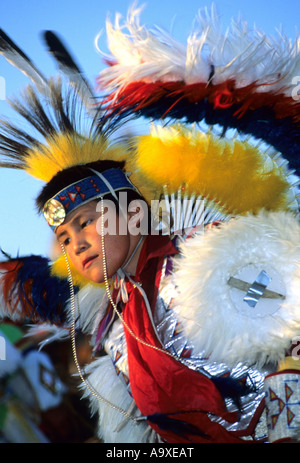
{"x": 76, "y": 173}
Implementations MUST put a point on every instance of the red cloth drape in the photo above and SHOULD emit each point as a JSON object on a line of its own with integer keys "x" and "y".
{"x": 159, "y": 383}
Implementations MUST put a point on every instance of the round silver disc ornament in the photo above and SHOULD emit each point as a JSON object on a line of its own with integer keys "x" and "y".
{"x": 257, "y": 291}
{"x": 54, "y": 212}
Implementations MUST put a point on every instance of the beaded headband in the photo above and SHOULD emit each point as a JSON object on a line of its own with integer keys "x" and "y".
{"x": 78, "y": 193}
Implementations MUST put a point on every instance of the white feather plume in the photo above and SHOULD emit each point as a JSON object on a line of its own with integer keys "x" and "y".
{"x": 241, "y": 53}
{"x": 141, "y": 54}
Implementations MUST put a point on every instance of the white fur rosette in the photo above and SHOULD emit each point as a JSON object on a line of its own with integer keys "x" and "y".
{"x": 215, "y": 315}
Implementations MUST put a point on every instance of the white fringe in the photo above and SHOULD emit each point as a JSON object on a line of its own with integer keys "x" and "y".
{"x": 53, "y": 333}
{"x": 91, "y": 303}
{"x": 112, "y": 428}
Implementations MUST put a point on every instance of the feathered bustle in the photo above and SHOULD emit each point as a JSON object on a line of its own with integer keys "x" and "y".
{"x": 240, "y": 79}
{"x": 29, "y": 291}
{"x": 210, "y": 56}
{"x": 236, "y": 175}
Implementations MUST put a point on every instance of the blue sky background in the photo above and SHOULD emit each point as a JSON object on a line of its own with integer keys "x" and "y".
{"x": 78, "y": 22}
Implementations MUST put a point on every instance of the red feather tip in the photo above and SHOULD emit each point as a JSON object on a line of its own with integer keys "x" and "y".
{"x": 138, "y": 95}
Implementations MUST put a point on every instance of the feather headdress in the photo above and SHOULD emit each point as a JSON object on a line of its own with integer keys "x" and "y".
{"x": 60, "y": 141}
{"x": 160, "y": 79}
{"x": 241, "y": 79}
{"x": 63, "y": 129}
{"x": 61, "y": 121}
{"x": 163, "y": 162}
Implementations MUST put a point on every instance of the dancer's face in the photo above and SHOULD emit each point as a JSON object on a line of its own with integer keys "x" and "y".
{"x": 81, "y": 236}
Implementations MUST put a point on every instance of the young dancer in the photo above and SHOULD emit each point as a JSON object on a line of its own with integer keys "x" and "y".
{"x": 181, "y": 352}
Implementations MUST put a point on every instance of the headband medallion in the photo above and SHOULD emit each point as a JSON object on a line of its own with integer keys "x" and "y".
{"x": 83, "y": 191}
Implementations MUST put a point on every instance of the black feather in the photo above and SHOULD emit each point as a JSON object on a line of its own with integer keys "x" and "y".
{"x": 45, "y": 117}
{"x": 178, "y": 427}
{"x": 69, "y": 67}
{"x": 232, "y": 388}
{"x": 60, "y": 52}
{"x": 50, "y": 106}
{"x": 18, "y": 58}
